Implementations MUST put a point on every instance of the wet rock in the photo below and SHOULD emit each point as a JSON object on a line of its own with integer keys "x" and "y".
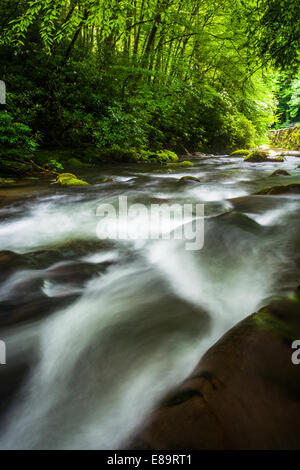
{"x": 255, "y": 204}
{"x": 74, "y": 248}
{"x": 261, "y": 156}
{"x": 257, "y": 156}
{"x": 189, "y": 179}
{"x": 107, "y": 180}
{"x": 280, "y": 189}
{"x": 280, "y": 173}
{"x": 244, "y": 393}
{"x": 163, "y": 170}
{"x": 74, "y": 273}
{"x": 10, "y": 262}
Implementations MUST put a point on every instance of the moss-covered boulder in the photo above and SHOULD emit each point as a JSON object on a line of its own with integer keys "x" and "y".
{"x": 279, "y": 159}
{"x": 68, "y": 179}
{"x": 7, "y": 181}
{"x": 240, "y": 153}
{"x": 280, "y": 189}
{"x": 184, "y": 164}
{"x": 280, "y": 173}
{"x": 258, "y": 156}
{"x": 189, "y": 179}
{"x": 160, "y": 156}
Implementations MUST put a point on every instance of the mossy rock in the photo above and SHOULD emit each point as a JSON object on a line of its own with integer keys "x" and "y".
{"x": 240, "y": 153}
{"x": 280, "y": 189}
{"x": 280, "y": 173}
{"x": 184, "y": 164}
{"x": 257, "y": 156}
{"x": 189, "y": 179}
{"x": 107, "y": 180}
{"x": 160, "y": 156}
{"x": 261, "y": 156}
{"x": 68, "y": 179}
{"x": 279, "y": 159}
{"x": 7, "y": 181}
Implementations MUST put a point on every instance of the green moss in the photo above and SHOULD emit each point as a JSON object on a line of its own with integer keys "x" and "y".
{"x": 68, "y": 179}
{"x": 191, "y": 179}
{"x": 184, "y": 164}
{"x": 7, "y": 180}
{"x": 74, "y": 182}
{"x": 167, "y": 156}
{"x": 161, "y": 156}
{"x": 279, "y": 159}
{"x": 280, "y": 189}
{"x": 240, "y": 153}
{"x": 286, "y": 138}
{"x": 257, "y": 156}
{"x": 107, "y": 180}
{"x": 266, "y": 320}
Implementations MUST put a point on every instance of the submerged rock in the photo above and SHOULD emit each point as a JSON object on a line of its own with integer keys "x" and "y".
{"x": 242, "y": 395}
{"x": 189, "y": 179}
{"x": 280, "y": 189}
{"x": 280, "y": 173}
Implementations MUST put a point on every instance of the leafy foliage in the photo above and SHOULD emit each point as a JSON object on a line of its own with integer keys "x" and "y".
{"x": 15, "y": 135}
{"x": 156, "y": 74}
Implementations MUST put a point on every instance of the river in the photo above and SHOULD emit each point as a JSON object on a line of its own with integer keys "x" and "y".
{"x": 98, "y": 331}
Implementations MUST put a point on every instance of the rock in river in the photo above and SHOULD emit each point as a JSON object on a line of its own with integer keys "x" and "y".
{"x": 244, "y": 393}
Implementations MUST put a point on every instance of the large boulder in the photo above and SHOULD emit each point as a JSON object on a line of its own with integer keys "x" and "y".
{"x": 68, "y": 179}
{"x": 244, "y": 393}
{"x": 280, "y": 189}
{"x": 259, "y": 156}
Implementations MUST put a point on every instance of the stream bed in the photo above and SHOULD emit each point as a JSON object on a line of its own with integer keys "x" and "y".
{"x": 98, "y": 331}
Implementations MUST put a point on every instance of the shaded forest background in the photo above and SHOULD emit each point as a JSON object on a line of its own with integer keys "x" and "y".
{"x": 147, "y": 74}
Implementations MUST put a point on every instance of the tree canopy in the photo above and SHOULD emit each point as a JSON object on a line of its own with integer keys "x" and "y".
{"x": 145, "y": 72}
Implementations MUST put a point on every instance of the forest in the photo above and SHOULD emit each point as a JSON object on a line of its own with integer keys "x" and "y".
{"x": 150, "y": 227}
{"x": 147, "y": 74}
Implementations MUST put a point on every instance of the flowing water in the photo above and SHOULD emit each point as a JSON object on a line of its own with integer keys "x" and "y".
{"x": 97, "y": 331}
